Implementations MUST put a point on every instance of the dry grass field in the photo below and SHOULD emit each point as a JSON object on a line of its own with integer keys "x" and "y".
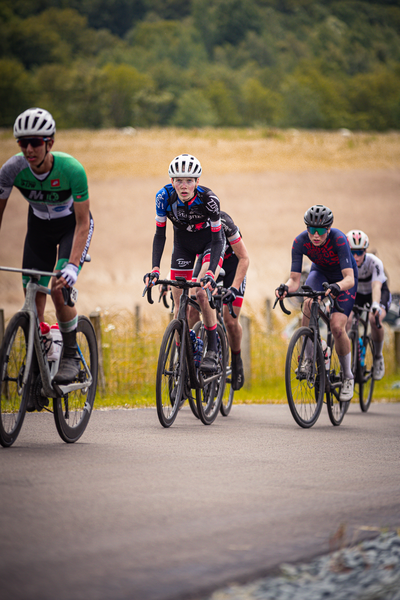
{"x": 264, "y": 179}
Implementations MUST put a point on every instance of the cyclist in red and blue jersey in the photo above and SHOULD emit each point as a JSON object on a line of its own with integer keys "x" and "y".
{"x": 60, "y": 225}
{"x": 195, "y": 214}
{"x": 234, "y": 269}
{"x": 332, "y": 262}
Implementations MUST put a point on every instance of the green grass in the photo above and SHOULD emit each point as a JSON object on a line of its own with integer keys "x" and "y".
{"x": 130, "y": 363}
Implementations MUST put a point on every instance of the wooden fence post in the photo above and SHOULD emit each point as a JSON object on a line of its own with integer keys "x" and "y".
{"x": 1, "y": 324}
{"x": 268, "y": 309}
{"x": 246, "y": 349}
{"x": 137, "y": 319}
{"x": 95, "y": 321}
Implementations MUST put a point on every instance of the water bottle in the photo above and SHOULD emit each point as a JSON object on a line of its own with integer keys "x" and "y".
{"x": 327, "y": 354}
{"x": 55, "y": 348}
{"x": 193, "y": 338}
{"x": 199, "y": 352}
{"x": 46, "y": 335}
{"x": 361, "y": 350}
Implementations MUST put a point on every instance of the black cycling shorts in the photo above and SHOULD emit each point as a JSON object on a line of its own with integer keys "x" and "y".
{"x": 385, "y": 302}
{"x": 187, "y": 245}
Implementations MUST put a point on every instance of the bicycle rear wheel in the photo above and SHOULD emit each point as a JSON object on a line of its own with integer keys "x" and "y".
{"x": 72, "y": 412}
{"x": 171, "y": 373}
{"x": 367, "y": 376}
{"x": 336, "y": 408}
{"x": 304, "y": 390}
{"x": 13, "y": 395}
{"x": 209, "y": 397}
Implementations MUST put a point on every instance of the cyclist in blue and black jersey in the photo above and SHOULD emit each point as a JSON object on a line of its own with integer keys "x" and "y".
{"x": 60, "y": 225}
{"x": 195, "y": 214}
{"x": 332, "y": 262}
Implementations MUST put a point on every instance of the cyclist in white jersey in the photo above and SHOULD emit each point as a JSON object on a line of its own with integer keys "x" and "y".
{"x": 372, "y": 289}
{"x": 60, "y": 225}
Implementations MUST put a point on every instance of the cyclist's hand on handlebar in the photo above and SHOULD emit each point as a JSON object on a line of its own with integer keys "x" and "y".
{"x": 376, "y": 309}
{"x": 281, "y": 291}
{"x": 334, "y": 290}
{"x": 68, "y": 276}
{"x": 151, "y": 279}
{"x": 230, "y": 295}
{"x": 208, "y": 281}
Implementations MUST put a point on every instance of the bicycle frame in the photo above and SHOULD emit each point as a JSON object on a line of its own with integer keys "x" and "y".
{"x": 35, "y": 339}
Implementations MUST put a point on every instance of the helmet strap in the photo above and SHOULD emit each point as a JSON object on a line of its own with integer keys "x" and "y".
{"x": 46, "y": 153}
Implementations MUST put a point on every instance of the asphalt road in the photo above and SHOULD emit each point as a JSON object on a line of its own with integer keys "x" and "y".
{"x": 133, "y": 511}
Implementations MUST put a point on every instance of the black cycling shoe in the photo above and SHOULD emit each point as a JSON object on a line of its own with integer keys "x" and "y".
{"x": 68, "y": 370}
{"x": 209, "y": 364}
{"x": 237, "y": 373}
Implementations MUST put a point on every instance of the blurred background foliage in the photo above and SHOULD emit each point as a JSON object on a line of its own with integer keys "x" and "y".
{"x": 192, "y": 63}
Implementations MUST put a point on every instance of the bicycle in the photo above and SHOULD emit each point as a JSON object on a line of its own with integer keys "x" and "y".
{"x": 177, "y": 374}
{"x": 216, "y": 302}
{"x": 362, "y": 354}
{"x": 305, "y": 384}
{"x": 26, "y": 374}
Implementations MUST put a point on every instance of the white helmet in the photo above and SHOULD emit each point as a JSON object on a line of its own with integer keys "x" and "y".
{"x": 185, "y": 165}
{"x": 358, "y": 240}
{"x": 34, "y": 121}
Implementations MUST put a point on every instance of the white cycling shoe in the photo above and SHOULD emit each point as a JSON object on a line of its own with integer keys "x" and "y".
{"x": 347, "y": 391}
{"x": 379, "y": 368}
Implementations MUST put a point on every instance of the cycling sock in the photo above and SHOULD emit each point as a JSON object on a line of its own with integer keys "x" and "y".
{"x": 69, "y": 343}
{"x": 378, "y": 347}
{"x": 68, "y": 325}
{"x": 345, "y": 363}
{"x": 211, "y": 338}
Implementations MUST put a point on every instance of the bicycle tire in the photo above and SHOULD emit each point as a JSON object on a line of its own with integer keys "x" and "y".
{"x": 367, "y": 381}
{"x": 72, "y": 412}
{"x": 171, "y": 372}
{"x": 209, "y": 397}
{"x": 336, "y": 408}
{"x": 227, "y": 398}
{"x": 13, "y": 397}
{"x": 305, "y": 395}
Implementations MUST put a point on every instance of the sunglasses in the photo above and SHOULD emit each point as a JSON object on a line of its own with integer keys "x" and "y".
{"x": 357, "y": 252}
{"x": 34, "y": 142}
{"x": 319, "y": 230}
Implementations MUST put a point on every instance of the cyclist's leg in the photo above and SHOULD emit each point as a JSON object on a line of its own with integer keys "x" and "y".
{"x": 377, "y": 335}
{"x": 67, "y": 316}
{"x": 233, "y": 326}
{"x": 342, "y": 341}
{"x": 182, "y": 262}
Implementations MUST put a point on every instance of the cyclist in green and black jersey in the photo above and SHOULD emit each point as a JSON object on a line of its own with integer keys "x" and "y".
{"x": 60, "y": 225}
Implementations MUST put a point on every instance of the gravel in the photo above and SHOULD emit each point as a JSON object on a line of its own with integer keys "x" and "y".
{"x": 368, "y": 571}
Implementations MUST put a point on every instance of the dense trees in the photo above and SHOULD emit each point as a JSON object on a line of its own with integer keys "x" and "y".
{"x": 284, "y": 63}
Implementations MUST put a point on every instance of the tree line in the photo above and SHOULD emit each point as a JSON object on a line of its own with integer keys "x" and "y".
{"x": 194, "y": 63}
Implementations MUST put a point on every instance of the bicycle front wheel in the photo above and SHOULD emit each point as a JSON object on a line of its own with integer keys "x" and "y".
{"x": 72, "y": 412}
{"x": 227, "y": 398}
{"x": 171, "y": 373}
{"x": 367, "y": 376}
{"x": 336, "y": 408}
{"x": 305, "y": 384}
{"x": 209, "y": 397}
{"x": 13, "y": 394}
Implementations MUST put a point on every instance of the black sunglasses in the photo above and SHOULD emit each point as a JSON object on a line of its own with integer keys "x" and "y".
{"x": 358, "y": 252}
{"x": 34, "y": 142}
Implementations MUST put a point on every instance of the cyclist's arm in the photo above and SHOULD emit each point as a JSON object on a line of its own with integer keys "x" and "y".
{"x": 217, "y": 244}
{"x": 293, "y": 282}
{"x": 348, "y": 280}
{"x": 158, "y": 247}
{"x": 376, "y": 291}
{"x": 243, "y": 264}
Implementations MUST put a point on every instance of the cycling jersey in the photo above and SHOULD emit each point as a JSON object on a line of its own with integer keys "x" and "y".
{"x": 51, "y": 195}
{"x": 197, "y": 224}
{"x": 232, "y": 233}
{"x": 370, "y": 270}
{"x": 330, "y": 258}
{"x": 328, "y": 261}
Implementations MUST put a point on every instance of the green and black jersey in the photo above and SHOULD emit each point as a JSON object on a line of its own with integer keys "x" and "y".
{"x": 51, "y": 195}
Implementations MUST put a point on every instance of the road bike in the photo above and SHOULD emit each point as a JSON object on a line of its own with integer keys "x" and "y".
{"x": 362, "y": 354}
{"x": 26, "y": 374}
{"x": 312, "y": 374}
{"x": 216, "y": 302}
{"x": 178, "y": 378}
